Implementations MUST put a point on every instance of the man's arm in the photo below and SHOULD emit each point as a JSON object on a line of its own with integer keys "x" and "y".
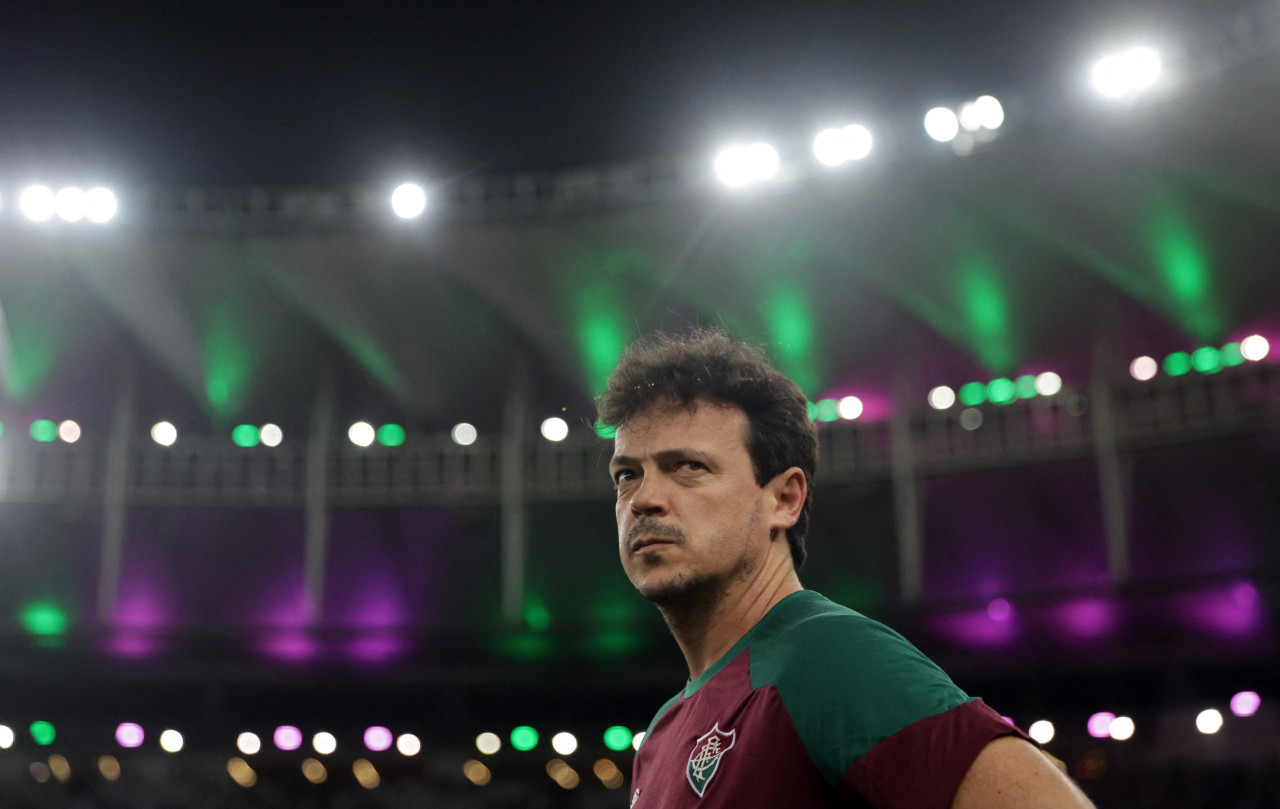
{"x": 1010, "y": 772}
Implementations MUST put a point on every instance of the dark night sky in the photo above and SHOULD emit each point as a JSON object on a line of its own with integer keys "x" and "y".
{"x": 233, "y": 92}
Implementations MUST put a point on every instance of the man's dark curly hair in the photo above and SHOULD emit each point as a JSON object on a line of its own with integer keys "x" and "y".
{"x": 707, "y": 364}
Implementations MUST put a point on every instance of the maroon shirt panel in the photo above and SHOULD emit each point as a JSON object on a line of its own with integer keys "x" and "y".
{"x": 766, "y": 767}
{"x": 921, "y": 765}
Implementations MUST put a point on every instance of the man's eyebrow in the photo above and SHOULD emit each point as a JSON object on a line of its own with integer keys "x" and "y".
{"x": 662, "y": 455}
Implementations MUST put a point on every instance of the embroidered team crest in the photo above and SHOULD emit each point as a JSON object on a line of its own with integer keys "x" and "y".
{"x": 706, "y": 755}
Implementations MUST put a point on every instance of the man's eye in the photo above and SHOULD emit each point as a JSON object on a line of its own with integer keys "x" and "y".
{"x": 693, "y": 465}
{"x": 622, "y": 476}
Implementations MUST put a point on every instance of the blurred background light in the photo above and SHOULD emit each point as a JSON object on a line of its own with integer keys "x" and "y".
{"x": 408, "y": 744}
{"x": 1254, "y": 347}
{"x": 970, "y": 418}
{"x": 129, "y": 734}
{"x": 999, "y": 610}
{"x": 43, "y": 430}
{"x": 69, "y": 204}
{"x": 739, "y": 166}
{"x": 248, "y": 743}
{"x": 989, "y": 111}
{"x": 638, "y": 740}
{"x": 1041, "y": 730}
{"x": 1209, "y": 721}
{"x": 287, "y": 737}
{"x": 245, "y": 435}
{"x": 6, "y": 737}
{"x": 524, "y": 738}
{"x": 1177, "y": 363}
{"x": 43, "y": 733}
{"x": 171, "y": 741}
{"x": 408, "y": 200}
{"x": 564, "y": 743}
{"x": 361, "y": 433}
{"x": 314, "y": 771}
{"x": 850, "y": 408}
{"x": 1245, "y": 703}
{"x": 608, "y": 773}
{"x": 241, "y": 772}
{"x": 1143, "y": 368}
{"x": 834, "y": 147}
{"x": 1099, "y": 726}
{"x": 324, "y": 743}
{"x": 109, "y": 766}
{"x": 617, "y": 738}
{"x": 100, "y": 205}
{"x": 377, "y": 738}
{"x": 60, "y": 768}
{"x": 476, "y": 773}
{"x": 973, "y": 393}
{"x": 555, "y": 429}
{"x": 463, "y": 434}
{"x": 942, "y": 397}
{"x": 366, "y": 773}
{"x": 391, "y": 435}
{"x": 563, "y": 774}
{"x": 69, "y": 431}
{"x": 271, "y": 435}
{"x": 1121, "y": 729}
{"x": 164, "y": 433}
{"x": 488, "y": 743}
{"x": 37, "y": 203}
{"x": 1122, "y": 75}
{"x": 941, "y": 124}
{"x": 1206, "y": 360}
{"x": 1048, "y": 383}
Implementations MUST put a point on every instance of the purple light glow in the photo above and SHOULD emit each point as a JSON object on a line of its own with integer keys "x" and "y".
{"x": 376, "y": 648}
{"x": 1236, "y": 611}
{"x": 1246, "y": 703}
{"x": 999, "y": 610}
{"x": 131, "y": 644}
{"x": 1100, "y": 725}
{"x": 975, "y": 628}
{"x": 377, "y": 738}
{"x": 287, "y": 737}
{"x": 129, "y": 734}
{"x": 289, "y": 646}
{"x": 1086, "y": 618}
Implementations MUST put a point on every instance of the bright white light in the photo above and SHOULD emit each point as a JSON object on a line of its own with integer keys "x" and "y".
{"x": 248, "y": 743}
{"x": 69, "y": 204}
{"x": 1121, "y": 728}
{"x": 1209, "y": 721}
{"x": 164, "y": 433}
{"x": 488, "y": 743}
{"x": 6, "y": 737}
{"x": 850, "y": 407}
{"x": 1143, "y": 368}
{"x": 324, "y": 743}
{"x": 637, "y": 740}
{"x": 100, "y": 205}
{"x": 271, "y": 435}
{"x": 555, "y": 429}
{"x": 737, "y": 166}
{"x": 564, "y": 743}
{"x": 1048, "y": 383}
{"x": 361, "y": 433}
{"x": 408, "y": 744}
{"x": 1041, "y": 730}
{"x": 833, "y": 147}
{"x": 1254, "y": 347}
{"x": 69, "y": 431}
{"x": 941, "y": 397}
{"x": 37, "y": 203}
{"x": 1124, "y": 74}
{"x": 463, "y": 434}
{"x": 171, "y": 741}
{"x": 941, "y": 124}
{"x": 989, "y": 111}
{"x": 970, "y": 120}
{"x": 408, "y": 201}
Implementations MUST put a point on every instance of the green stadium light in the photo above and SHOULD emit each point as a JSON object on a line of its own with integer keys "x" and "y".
{"x": 246, "y": 435}
{"x": 1025, "y": 386}
{"x": 813, "y": 411}
{"x": 391, "y": 435}
{"x": 1206, "y": 360}
{"x": 43, "y": 733}
{"x": 1177, "y": 363}
{"x": 44, "y": 430}
{"x": 826, "y": 410}
{"x": 1231, "y": 355}
{"x": 1001, "y": 391}
{"x": 617, "y": 738}
{"x": 524, "y": 738}
{"x": 973, "y": 393}
{"x": 44, "y": 618}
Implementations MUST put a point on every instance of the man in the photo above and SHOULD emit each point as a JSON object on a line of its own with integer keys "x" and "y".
{"x": 792, "y": 701}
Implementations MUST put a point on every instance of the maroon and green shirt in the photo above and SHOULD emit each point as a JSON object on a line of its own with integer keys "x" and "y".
{"x": 815, "y": 706}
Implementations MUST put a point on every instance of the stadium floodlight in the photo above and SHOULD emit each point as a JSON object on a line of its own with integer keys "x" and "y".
{"x": 100, "y": 205}
{"x": 408, "y": 201}
{"x": 989, "y": 112}
{"x": 941, "y": 397}
{"x": 1123, "y": 75}
{"x": 941, "y": 124}
{"x": 834, "y": 147}
{"x": 37, "y": 203}
{"x": 739, "y": 166}
{"x": 69, "y": 204}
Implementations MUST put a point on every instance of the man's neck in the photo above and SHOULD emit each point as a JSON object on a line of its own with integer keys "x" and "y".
{"x": 707, "y": 627}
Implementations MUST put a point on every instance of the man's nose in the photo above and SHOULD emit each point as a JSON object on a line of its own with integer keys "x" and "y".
{"x": 650, "y": 497}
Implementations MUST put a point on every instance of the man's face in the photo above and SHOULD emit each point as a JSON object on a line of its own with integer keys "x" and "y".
{"x": 691, "y": 518}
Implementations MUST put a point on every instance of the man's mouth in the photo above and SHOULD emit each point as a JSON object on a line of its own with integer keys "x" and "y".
{"x": 645, "y": 544}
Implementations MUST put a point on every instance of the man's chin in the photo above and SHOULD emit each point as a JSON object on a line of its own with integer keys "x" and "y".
{"x": 665, "y": 591}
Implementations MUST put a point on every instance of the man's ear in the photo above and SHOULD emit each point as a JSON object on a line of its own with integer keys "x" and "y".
{"x": 790, "y": 490}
